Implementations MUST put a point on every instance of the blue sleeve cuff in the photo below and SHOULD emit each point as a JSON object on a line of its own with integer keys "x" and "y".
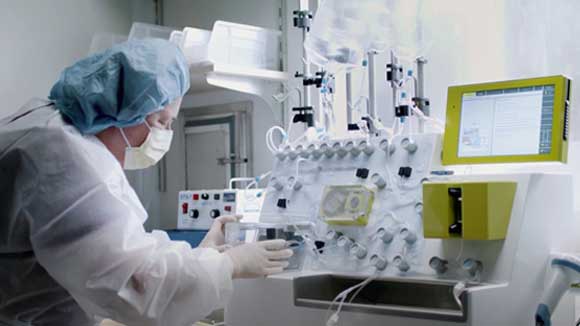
{"x": 543, "y": 315}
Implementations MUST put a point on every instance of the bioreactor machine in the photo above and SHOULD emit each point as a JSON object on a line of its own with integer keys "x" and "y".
{"x": 417, "y": 228}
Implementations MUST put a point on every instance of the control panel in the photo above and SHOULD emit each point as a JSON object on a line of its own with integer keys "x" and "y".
{"x": 197, "y": 209}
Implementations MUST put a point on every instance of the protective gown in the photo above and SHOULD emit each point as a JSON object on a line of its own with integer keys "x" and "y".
{"x": 72, "y": 244}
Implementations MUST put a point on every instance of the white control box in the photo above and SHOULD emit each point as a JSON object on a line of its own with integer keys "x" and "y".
{"x": 197, "y": 209}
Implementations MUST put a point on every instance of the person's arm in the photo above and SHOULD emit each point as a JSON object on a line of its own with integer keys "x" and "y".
{"x": 91, "y": 242}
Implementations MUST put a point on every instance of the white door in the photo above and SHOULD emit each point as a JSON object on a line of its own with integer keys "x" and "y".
{"x": 205, "y": 146}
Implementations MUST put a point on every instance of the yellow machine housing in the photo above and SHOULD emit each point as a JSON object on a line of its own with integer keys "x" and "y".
{"x": 481, "y": 210}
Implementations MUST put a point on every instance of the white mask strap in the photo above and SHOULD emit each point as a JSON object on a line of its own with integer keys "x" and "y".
{"x": 125, "y": 137}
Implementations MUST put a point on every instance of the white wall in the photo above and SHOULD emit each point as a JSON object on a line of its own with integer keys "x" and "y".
{"x": 40, "y": 38}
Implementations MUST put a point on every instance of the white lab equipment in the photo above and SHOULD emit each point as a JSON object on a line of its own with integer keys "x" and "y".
{"x": 194, "y": 43}
{"x": 231, "y": 56}
{"x": 465, "y": 243}
{"x": 230, "y": 44}
{"x": 197, "y": 209}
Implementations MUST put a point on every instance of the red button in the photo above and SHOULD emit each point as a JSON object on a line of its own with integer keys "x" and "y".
{"x": 228, "y": 208}
{"x": 184, "y": 208}
{"x": 195, "y": 196}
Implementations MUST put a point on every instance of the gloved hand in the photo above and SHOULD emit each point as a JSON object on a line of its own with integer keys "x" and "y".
{"x": 252, "y": 260}
{"x": 215, "y": 237}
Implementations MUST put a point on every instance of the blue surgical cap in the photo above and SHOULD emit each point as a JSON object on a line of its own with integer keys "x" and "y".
{"x": 122, "y": 85}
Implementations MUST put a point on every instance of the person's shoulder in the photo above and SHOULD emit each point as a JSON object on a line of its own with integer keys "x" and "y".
{"x": 54, "y": 147}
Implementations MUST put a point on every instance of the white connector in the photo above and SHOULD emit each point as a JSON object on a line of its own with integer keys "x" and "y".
{"x": 384, "y": 145}
{"x": 401, "y": 263}
{"x": 358, "y": 251}
{"x": 344, "y": 242}
{"x": 409, "y": 236}
{"x": 327, "y": 150}
{"x": 367, "y": 148}
{"x": 339, "y": 149}
{"x": 409, "y": 145}
{"x": 385, "y": 235}
{"x": 379, "y": 262}
{"x": 378, "y": 180}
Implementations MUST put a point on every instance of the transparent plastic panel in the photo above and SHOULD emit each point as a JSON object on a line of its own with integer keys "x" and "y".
{"x": 343, "y": 31}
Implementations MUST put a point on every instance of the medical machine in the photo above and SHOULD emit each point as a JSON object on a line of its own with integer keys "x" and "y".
{"x": 416, "y": 227}
{"x": 197, "y": 209}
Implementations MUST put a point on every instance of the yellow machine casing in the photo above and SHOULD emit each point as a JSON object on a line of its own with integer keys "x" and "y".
{"x": 485, "y": 209}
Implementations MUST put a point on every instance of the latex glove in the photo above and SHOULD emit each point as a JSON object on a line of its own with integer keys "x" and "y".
{"x": 252, "y": 260}
{"x": 215, "y": 237}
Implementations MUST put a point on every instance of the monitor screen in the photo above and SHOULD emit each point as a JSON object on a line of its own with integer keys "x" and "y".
{"x": 504, "y": 122}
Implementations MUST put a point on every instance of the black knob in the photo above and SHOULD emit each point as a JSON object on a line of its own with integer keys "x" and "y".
{"x": 282, "y": 203}
{"x": 215, "y": 213}
{"x": 194, "y": 213}
{"x": 362, "y": 173}
{"x": 205, "y": 196}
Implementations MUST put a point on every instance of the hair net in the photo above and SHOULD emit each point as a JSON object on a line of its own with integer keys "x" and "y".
{"x": 122, "y": 85}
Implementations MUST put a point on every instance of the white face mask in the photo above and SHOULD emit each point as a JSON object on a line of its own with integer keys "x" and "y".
{"x": 155, "y": 146}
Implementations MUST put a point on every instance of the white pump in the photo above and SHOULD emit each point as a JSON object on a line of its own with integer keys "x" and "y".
{"x": 564, "y": 271}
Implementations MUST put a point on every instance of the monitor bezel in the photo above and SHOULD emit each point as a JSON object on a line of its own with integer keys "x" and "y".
{"x": 455, "y": 94}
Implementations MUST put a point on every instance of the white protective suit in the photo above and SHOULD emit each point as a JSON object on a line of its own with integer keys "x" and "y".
{"x": 72, "y": 243}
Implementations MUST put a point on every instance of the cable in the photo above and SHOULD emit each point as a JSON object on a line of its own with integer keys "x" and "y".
{"x": 357, "y": 102}
{"x": 425, "y": 118}
{"x": 333, "y": 319}
{"x": 281, "y": 97}
{"x": 272, "y": 146}
{"x": 297, "y": 175}
{"x": 234, "y": 180}
{"x": 356, "y": 293}
{"x": 457, "y": 259}
{"x": 458, "y": 289}
{"x": 297, "y": 140}
{"x": 256, "y": 180}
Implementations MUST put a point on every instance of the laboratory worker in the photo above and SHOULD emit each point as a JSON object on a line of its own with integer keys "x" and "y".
{"x": 73, "y": 248}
